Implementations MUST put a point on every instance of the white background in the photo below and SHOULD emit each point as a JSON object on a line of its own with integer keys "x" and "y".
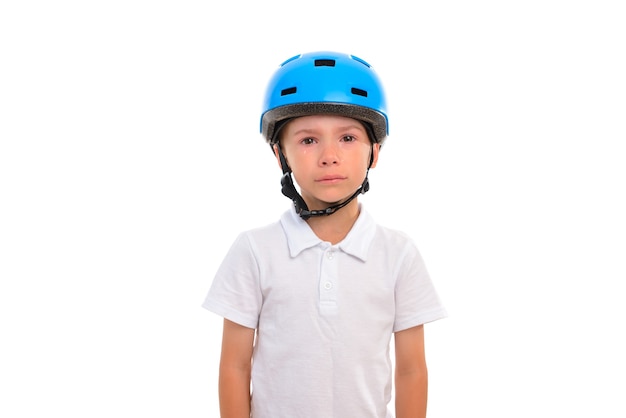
{"x": 130, "y": 158}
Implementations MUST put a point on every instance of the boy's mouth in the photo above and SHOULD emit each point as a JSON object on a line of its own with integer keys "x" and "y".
{"x": 330, "y": 179}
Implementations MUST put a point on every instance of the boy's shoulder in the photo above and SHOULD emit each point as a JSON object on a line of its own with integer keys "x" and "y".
{"x": 391, "y": 235}
{"x": 259, "y": 240}
{"x": 393, "y": 238}
{"x": 379, "y": 237}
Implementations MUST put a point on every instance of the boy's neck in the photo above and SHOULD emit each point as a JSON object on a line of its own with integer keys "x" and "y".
{"x": 335, "y": 227}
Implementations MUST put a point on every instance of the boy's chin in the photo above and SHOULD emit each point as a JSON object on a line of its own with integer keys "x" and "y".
{"x": 322, "y": 204}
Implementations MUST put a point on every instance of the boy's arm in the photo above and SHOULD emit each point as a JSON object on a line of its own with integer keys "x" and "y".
{"x": 235, "y": 369}
{"x": 411, "y": 375}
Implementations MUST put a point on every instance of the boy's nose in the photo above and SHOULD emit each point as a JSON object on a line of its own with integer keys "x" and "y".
{"x": 330, "y": 155}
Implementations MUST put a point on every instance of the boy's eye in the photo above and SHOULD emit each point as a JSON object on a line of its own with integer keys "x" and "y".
{"x": 307, "y": 141}
{"x": 349, "y": 138}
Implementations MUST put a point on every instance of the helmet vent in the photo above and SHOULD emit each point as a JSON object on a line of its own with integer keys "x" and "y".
{"x": 359, "y": 92}
{"x": 324, "y": 63}
{"x": 286, "y": 92}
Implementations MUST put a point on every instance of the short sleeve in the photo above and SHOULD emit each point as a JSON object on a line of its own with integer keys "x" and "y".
{"x": 417, "y": 301}
{"x": 235, "y": 292}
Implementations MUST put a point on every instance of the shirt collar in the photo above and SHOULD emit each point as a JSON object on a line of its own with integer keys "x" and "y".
{"x": 300, "y": 236}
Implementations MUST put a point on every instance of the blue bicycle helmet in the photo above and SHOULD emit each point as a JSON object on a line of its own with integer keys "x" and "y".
{"x": 325, "y": 83}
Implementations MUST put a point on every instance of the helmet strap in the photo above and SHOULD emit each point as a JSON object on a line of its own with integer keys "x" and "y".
{"x": 289, "y": 190}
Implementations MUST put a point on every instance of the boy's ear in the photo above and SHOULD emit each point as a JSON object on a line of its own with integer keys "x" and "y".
{"x": 375, "y": 151}
{"x": 277, "y": 155}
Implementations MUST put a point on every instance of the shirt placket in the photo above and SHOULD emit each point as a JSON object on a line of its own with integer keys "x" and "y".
{"x": 328, "y": 281}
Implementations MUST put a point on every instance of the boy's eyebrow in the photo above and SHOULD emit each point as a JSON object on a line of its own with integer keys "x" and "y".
{"x": 340, "y": 128}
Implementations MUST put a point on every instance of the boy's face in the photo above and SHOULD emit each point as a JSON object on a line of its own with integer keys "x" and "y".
{"x": 329, "y": 156}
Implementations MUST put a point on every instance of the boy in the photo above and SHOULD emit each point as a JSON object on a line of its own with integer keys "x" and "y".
{"x": 310, "y": 302}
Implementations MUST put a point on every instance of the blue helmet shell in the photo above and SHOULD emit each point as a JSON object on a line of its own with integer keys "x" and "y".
{"x": 325, "y": 83}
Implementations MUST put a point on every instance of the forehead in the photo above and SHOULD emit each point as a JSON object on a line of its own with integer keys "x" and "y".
{"x": 313, "y": 122}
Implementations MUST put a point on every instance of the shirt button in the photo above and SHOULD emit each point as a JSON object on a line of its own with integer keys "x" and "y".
{"x": 328, "y": 285}
{"x": 330, "y": 255}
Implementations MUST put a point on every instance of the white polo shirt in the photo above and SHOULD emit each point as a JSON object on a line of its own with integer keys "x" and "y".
{"x": 324, "y": 314}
